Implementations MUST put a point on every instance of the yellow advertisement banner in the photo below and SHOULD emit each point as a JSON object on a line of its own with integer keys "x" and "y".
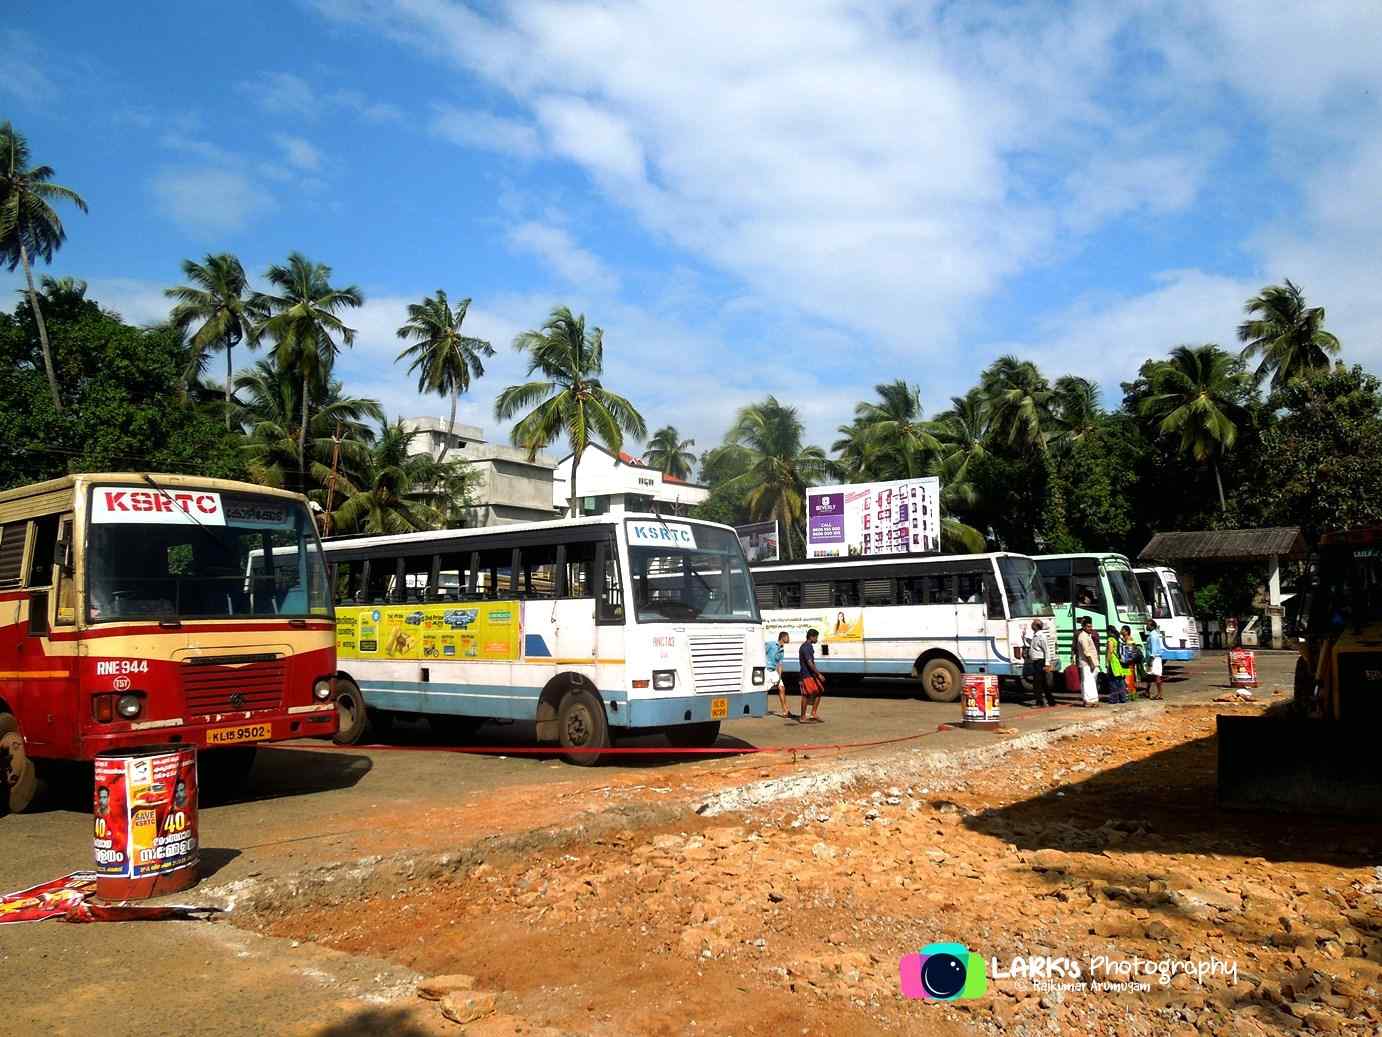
{"x": 483, "y": 631}
{"x": 834, "y": 625}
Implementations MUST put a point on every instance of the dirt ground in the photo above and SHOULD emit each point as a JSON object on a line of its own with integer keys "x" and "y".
{"x": 792, "y": 919}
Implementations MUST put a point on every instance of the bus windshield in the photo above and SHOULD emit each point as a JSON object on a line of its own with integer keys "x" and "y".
{"x": 700, "y": 575}
{"x": 1024, "y": 587}
{"x": 176, "y": 554}
{"x": 1126, "y": 594}
{"x": 1179, "y": 603}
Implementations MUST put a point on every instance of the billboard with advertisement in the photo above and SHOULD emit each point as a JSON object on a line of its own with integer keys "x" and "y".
{"x": 759, "y": 541}
{"x": 882, "y": 518}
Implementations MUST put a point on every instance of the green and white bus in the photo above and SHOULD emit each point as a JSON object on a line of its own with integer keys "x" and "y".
{"x": 1101, "y": 585}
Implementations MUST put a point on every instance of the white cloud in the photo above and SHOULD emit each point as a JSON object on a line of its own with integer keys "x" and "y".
{"x": 366, "y": 108}
{"x": 282, "y": 93}
{"x": 299, "y": 152}
{"x": 23, "y": 77}
{"x": 209, "y": 200}
{"x": 485, "y": 131}
{"x": 555, "y": 247}
{"x": 175, "y": 140}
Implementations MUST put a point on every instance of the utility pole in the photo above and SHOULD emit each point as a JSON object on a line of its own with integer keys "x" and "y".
{"x": 331, "y": 479}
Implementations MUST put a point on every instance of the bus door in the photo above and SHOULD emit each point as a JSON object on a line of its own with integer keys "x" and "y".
{"x": 1090, "y": 598}
{"x": 972, "y": 591}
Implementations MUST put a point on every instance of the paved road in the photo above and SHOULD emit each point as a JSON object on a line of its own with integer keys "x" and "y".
{"x": 308, "y": 805}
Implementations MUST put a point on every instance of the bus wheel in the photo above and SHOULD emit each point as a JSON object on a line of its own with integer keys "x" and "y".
{"x": 18, "y": 773}
{"x": 581, "y": 725}
{"x": 940, "y": 681}
{"x": 1304, "y": 689}
{"x": 352, "y": 719}
{"x": 694, "y": 736}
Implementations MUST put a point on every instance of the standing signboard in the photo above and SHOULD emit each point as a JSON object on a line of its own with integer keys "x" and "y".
{"x": 759, "y": 541}
{"x": 867, "y": 519}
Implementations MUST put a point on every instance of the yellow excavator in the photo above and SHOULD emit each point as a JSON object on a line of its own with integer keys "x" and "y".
{"x": 1320, "y": 755}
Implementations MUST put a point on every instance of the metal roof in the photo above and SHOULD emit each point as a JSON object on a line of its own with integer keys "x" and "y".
{"x": 1225, "y": 545}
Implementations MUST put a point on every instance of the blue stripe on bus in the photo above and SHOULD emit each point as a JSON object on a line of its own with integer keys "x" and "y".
{"x": 535, "y": 647}
{"x": 507, "y": 702}
{"x": 903, "y": 667}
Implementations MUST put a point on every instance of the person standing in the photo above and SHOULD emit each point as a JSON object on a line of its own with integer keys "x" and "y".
{"x": 1117, "y": 668}
{"x": 775, "y": 650}
{"x": 812, "y": 680}
{"x": 1040, "y": 662}
{"x": 1156, "y": 656}
{"x": 1087, "y": 656}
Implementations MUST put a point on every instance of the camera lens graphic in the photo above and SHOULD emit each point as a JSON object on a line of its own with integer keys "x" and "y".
{"x": 943, "y": 976}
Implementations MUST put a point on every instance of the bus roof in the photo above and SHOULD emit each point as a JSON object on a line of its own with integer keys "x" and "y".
{"x": 895, "y": 559}
{"x": 54, "y": 496}
{"x": 1086, "y": 554}
{"x": 366, "y": 540}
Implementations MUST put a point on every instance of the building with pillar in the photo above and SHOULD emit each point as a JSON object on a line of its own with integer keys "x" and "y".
{"x": 1267, "y": 548}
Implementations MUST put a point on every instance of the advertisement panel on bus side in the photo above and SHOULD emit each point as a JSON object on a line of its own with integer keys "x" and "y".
{"x": 476, "y": 630}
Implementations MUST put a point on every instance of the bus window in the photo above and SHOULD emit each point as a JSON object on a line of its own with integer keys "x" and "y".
{"x": 539, "y": 571}
{"x": 417, "y": 571}
{"x": 816, "y": 596}
{"x": 580, "y": 570}
{"x": 1055, "y": 574}
{"x": 609, "y": 606}
{"x": 789, "y": 595}
{"x": 878, "y": 592}
{"x": 765, "y": 594}
{"x": 45, "y": 547}
{"x": 934, "y": 589}
{"x": 844, "y": 593}
{"x": 381, "y": 576}
{"x": 1126, "y": 594}
{"x": 970, "y": 588}
{"x": 66, "y": 612}
{"x": 12, "y": 536}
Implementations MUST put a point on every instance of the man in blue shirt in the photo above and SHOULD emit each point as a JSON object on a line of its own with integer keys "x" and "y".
{"x": 1156, "y": 654}
{"x": 775, "y": 651}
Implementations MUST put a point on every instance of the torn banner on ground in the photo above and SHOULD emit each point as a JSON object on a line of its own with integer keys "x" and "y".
{"x": 68, "y": 899}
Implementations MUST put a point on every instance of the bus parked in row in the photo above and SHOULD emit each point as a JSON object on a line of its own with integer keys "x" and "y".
{"x": 132, "y": 614}
{"x": 933, "y": 618}
{"x": 584, "y": 627}
{"x": 1167, "y": 601}
{"x": 1099, "y": 585}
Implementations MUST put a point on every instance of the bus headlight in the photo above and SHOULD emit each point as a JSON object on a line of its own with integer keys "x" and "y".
{"x": 129, "y": 706}
{"x": 759, "y": 675}
{"x": 664, "y": 680}
{"x": 321, "y": 691}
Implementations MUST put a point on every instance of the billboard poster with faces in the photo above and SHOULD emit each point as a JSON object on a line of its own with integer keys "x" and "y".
{"x": 871, "y": 519}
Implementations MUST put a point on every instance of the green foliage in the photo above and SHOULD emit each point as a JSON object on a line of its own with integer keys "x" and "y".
{"x": 444, "y": 360}
{"x": 669, "y": 453}
{"x": 1289, "y": 335}
{"x": 1319, "y": 466}
{"x": 125, "y": 407}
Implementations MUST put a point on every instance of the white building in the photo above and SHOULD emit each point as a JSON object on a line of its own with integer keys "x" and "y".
{"x": 612, "y": 484}
{"x": 508, "y": 487}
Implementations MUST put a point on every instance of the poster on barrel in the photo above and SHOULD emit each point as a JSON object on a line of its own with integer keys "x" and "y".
{"x": 871, "y": 519}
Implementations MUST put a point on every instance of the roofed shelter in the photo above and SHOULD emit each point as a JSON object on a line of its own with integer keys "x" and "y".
{"x": 1269, "y": 545}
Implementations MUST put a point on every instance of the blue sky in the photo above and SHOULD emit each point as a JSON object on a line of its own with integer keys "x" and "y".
{"x": 802, "y": 198}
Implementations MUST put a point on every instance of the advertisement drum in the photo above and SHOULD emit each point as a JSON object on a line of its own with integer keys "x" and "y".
{"x": 980, "y": 700}
{"x": 1242, "y": 668}
{"x": 144, "y": 830}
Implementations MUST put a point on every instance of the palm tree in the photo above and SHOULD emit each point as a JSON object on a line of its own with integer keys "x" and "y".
{"x": 445, "y": 360}
{"x": 963, "y": 431}
{"x": 302, "y": 320}
{"x": 1019, "y": 401}
{"x": 669, "y": 453}
{"x": 218, "y": 299}
{"x": 856, "y": 452}
{"x": 1075, "y": 411}
{"x": 1289, "y": 335}
{"x": 895, "y": 424}
{"x": 780, "y": 466}
{"x": 1196, "y": 395}
{"x": 30, "y": 227}
{"x": 266, "y": 406}
{"x": 391, "y": 486}
{"x": 569, "y": 398}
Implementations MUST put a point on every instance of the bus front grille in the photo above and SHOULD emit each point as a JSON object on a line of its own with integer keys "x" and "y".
{"x": 233, "y": 685}
{"x": 717, "y": 664}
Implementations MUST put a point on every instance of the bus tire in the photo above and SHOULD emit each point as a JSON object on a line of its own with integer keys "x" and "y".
{"x": 694, "y": 736}
{"x": 352, "y": 718}
{"x": 581, "y": 724}
{"x": 941, "y": 680}
{"x": 1304, "y": 689}
{"x": 19, "y": 784}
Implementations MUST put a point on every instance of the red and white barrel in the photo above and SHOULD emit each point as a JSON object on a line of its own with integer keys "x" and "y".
{"x": 145, "y": 824}
{"x": 1242, "y": 668}
{"x": 980, "y": 700}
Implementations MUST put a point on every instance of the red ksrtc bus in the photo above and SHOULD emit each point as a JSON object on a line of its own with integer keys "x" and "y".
{"x": 139, "y": 609}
